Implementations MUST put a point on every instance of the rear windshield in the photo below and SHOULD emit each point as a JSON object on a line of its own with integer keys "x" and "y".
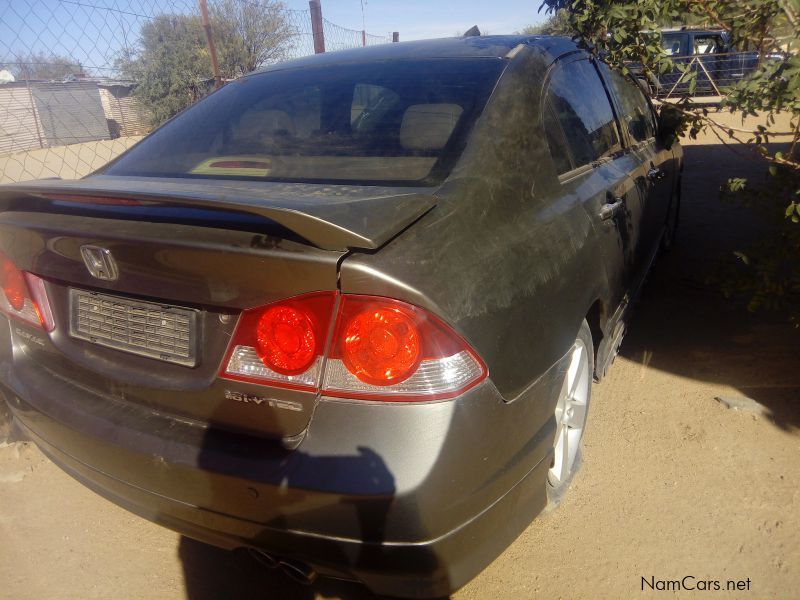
{"x": 394, "y": 122}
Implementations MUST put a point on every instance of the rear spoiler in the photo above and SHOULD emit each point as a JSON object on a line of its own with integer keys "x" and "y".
{"x": 330, "y": 217}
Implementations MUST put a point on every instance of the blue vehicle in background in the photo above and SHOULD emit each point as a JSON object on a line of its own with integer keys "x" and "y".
{"x": 708, "y": 53}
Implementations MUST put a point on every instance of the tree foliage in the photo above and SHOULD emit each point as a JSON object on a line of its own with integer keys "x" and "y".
{"x": 172, "y": 68}
{"x": 557, "y": 23}
{"x": 172, "y": 65}
{"x": 249, "y": 35}
{"x": 38, "y": 65}
{"x": 626, "y": 33}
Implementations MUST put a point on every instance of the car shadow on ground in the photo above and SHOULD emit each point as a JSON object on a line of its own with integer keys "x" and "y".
{"x": 293, "y": 488}
{"x": 211, "y": 573}
{"x": 684, "y": 325}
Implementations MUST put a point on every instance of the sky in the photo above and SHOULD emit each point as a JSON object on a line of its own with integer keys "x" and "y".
{"x": 421, "y": 19}
{"x": 95, "y": 32}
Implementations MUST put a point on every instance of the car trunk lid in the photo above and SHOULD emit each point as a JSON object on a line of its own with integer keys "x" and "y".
{"x": 193, "y": 257}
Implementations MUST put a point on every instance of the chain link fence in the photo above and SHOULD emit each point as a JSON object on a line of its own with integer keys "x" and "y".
{"x": 705, "y": 78}
{"x": 83, "y": 80}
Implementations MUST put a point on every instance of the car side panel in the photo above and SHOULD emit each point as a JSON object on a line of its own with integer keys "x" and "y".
{"x": 506, "y": 257}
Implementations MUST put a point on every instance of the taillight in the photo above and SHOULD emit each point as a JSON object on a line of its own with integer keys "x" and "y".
{"x": 382, "y": 349}
{"x": 282, "y": 343}
{"x": 24, "y": 296}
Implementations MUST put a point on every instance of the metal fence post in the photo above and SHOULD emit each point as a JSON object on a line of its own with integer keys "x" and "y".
{"x": 35, "y": 112}
{"x": 212, "y": 50}
{"x": 316, "y": 26}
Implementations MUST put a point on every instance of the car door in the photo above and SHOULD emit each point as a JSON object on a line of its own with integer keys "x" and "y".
{"x": 587, "y": 150}
{"x": 652, "y": 167}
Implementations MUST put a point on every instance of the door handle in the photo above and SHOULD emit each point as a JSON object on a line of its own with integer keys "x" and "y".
{"x": 612, "y": 208}
{"x": 654, "y": 173}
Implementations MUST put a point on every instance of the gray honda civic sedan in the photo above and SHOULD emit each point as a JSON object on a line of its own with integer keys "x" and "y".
{"x": 346, "y": 311}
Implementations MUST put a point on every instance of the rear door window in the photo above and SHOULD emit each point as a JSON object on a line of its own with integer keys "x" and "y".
{"x": 635, "y": 112}
{"x": 576, "y": 103}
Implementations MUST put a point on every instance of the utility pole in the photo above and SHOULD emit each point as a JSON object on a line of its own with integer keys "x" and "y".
{"x": 316, "y": 26}
{"x": 212, "y": 50}
{"x": 363, "y": 25}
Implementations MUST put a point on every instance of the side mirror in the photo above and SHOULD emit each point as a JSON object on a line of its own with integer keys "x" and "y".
{"x": 669, "y": 125}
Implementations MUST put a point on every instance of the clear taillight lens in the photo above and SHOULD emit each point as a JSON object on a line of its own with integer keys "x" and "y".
{"x": 382, "y": 349}
{"x": 24, "y": 296}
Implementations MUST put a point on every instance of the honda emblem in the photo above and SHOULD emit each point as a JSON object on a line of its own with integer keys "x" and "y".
{"x": 100, "y": 263}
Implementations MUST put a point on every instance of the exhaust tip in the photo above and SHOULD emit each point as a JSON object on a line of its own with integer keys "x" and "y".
{"x": 263, "y": 558}
{"x": 300, "y": 572}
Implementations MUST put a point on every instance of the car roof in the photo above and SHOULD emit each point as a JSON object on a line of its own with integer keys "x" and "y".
{"x": 490, "y": 46}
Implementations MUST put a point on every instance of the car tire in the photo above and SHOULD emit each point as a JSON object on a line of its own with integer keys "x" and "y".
{"x": 673, "y": 219}
{"x": 571, "y": 413}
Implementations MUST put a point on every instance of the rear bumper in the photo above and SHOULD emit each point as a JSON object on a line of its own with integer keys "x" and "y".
{"x": 413, "y": 501}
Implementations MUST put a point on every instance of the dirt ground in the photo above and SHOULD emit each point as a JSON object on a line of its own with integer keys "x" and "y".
{"x": 674, "y": 484}
{"x": 67, "y": 162}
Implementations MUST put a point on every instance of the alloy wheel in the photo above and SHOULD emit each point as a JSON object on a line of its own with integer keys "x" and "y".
{"x": 571, "y": 411}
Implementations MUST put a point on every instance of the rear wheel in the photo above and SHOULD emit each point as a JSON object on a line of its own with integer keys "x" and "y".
{"x": 571, "y": 411}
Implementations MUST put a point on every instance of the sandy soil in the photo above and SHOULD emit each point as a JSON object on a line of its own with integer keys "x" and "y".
{"x": 674, "y": 484}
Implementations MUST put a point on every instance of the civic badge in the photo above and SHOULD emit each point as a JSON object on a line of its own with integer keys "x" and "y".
{"x": 100, "y": 263}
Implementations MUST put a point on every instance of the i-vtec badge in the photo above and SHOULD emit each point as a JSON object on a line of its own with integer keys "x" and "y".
{"x": 271, "y": 402}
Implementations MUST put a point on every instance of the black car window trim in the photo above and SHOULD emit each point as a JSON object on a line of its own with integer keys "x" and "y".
{"x": 611, "y": 153}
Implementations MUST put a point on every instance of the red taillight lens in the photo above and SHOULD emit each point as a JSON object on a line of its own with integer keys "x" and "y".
{"x": 24, "y": 296}
{"x": 282, "y": 343}
{"x": 382, "y": 349}
{"x": 381, "y": 344}
{"x": 286, "y": 338}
